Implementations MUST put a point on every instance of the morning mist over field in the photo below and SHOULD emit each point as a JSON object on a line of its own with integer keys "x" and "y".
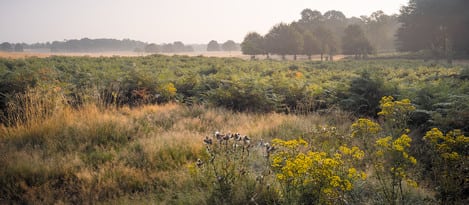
{"x": 158, "y": 21}
{"x": 216, "y": 102}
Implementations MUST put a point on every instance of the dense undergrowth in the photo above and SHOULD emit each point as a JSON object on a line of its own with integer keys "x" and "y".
{"x": 256, "y": 86}
{"x": 79, "y": 130}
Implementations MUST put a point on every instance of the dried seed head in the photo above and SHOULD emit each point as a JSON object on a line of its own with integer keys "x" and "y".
{"x": 207, "y": 140}
{"x": 199, "y": 163}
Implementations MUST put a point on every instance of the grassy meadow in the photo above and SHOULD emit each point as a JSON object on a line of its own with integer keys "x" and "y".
{"x": 142, "y": 130}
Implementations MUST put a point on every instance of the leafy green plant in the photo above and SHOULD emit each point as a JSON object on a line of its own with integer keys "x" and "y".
{"x": 449, "y": 164}
{"x": 389, "y": 155}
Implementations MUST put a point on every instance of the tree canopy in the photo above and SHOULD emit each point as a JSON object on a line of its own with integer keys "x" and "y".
{"x": 441, "y": 27}
{"x": 380, "y": 29}
{"x": 253, "y": 44}
{"x": 229, "y": 45}
{"x": 354, "y": 42}
{"x": 152, "y": 48}
{"x": 5, "y": 46}
{"x": 317, "y": 33}
{"x": 311, "y": 45}
{"x": 213, "y": 46}
{"x": 328, "y": 43}
{"x": 284, "y": 39}
{"x": 309, "y": 16}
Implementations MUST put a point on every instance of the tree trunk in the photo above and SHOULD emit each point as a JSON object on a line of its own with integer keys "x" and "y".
{"x": 322, "y": 55}
{"x": 448, "y": 51}
{"x": 309, "y": 57}
{"x": 294, "y": 57}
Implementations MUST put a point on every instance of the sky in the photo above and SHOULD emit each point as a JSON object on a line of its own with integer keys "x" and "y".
{"x": 163, "y": 21}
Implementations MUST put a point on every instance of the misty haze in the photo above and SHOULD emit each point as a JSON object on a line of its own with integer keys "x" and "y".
{"x": 234, "y": 102}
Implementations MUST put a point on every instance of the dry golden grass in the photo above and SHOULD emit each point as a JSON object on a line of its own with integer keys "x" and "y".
{"x": 104, "y": 153}
{"x": 140, "y": 155}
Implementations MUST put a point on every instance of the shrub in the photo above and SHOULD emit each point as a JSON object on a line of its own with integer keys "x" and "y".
{"x": 308, "y": 176}
{"x": 364, "y": 95}
{"x": 449, "y": 165}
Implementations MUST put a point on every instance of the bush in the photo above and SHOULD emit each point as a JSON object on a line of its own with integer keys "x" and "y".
{"x": 364, "y": 95}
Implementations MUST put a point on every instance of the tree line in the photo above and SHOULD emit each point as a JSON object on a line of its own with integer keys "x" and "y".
{"x": 175, "y": 47}
{"x": 8, "y": 47}
{"x": 326, "y": 35}
{"x": 178, "y": 46}
{"x": 94, "y": 45}
{"x": 438, "y": 29}
{"x": 76, "y": 45}
{"x": 228, "y": 45}
{"x": 432, "y": 28}
{"x": 102, "y": 45}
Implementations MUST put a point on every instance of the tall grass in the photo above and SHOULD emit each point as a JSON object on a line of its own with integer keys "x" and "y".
{"x": 55, "y": 153}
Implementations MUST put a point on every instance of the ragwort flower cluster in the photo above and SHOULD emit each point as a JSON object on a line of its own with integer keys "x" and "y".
{"x": 323, "y": 177}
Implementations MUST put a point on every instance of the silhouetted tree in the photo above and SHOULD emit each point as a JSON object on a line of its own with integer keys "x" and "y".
{"x": 283, "y": 40}
{"x": 253, "y": 44}
{"x": 334, "y": 15}
{"x": 178, "y": 46}
{"x": 213, "y": 46}
{"x": 355, "y": 42}
{"x": 188, "y": 49}
{"x": 336, "y": 22}
{"x": 327, "y": 43}
{"x": 152, "y": 48}
{"x": 6, "y": 47}
{"x": 93, "y": 45}
{"x": 167, "y": 48}
{"x": 309, "y": 16}
{"x": 229, "y": 45}
{"x": 19, "y": 47}
{"x": 310, "y": 45}
{"x": 380, "y": 29}
{"x": 434, "y": 25}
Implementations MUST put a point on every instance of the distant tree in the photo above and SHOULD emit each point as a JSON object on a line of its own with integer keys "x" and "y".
{"x": 336, "y": 22}
{"x": 327, "y": 42}
{"x": 284, "y": 40}
{"x": 229, "y": 45}
{"x": 310, "y": 45}
{"x": 178, "y": 46}
{"x": 309, "y": 16}
{"x": 253, "y": 45}
{"x": 213, "y": 46}
{"x": 434, "y": 25}
{"x": 188, "y": 49}
{"x": 56, "y": 46}
{"x": 167, "y": 48}
{"x": 152, "y": 48}
{"x": 334, "y": 15}
{"x": 139, "y": 50}
{"x": 92, "y": 45}
{"x": 355, "y": 42}
{"x": 6, "y": 47}
{"x": 19, "y": 47}
{"x": 355, "y": 20}
{"x": 380, "y": 29}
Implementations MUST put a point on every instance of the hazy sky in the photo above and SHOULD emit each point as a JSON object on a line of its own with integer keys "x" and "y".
{"x": 161, "y": 21}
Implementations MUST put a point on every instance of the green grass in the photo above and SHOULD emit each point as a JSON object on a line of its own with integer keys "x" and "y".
{"x": 81, "y": 130}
